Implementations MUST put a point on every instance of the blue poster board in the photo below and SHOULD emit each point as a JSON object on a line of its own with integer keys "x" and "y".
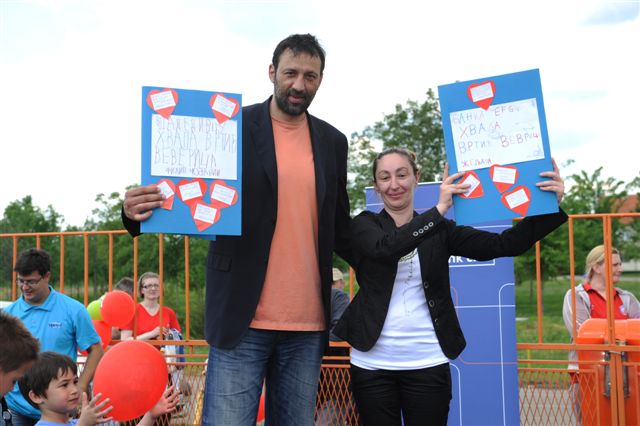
{"x": 191, "y": 149}
{"x": 485, "y": 376}
{"x": 495, "y": 132}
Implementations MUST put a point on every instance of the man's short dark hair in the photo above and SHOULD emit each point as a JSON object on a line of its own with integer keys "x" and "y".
{"x": 299, "y": 43}
{"x": 49, "y": 367}
{"x": 32, "y": 260}
{"x": 125, "y": 284}
{"x": 17, "y": 344}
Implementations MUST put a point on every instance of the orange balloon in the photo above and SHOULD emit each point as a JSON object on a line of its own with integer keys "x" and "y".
{"x": 261, "y": 409}
{"x": 117, "y": 309}
{"x": 104, "y": 331}
{"x": 133, "y": 374}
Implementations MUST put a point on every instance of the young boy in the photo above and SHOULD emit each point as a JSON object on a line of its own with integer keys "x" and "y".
{"x": 51, "y": 385}
{"x": 18, "y": 351}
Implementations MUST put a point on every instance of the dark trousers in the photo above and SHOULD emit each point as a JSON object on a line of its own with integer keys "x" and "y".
{"x": 421, "y": 396}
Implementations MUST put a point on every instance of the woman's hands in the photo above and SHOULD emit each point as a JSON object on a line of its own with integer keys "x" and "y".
{"x": 554, "y": 184}
{"x": 448, "y": 188}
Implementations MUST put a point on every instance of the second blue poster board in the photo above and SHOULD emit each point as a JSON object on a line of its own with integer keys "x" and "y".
{"x": 495, "y": 132}
{"x": 192, "y": 150}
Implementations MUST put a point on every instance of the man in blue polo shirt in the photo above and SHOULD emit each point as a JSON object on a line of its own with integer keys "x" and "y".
{"x": 60, "y": 323}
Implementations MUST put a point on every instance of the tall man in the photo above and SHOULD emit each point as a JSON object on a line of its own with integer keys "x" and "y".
{"x": 269, "y": 290}
{"x": 60, "y": 323}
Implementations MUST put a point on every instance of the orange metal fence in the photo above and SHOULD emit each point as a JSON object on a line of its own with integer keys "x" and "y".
{"x": 550, "y": 394}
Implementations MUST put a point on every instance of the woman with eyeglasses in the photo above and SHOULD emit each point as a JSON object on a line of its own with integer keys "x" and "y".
{"x": 148, "y": 312}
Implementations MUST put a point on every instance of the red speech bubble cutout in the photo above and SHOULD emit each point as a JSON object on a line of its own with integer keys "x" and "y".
{"x": 222, "y": 195}
{"x": 503, "y": 177}
{"x": 476, "y": 190}
{"x": 223, "y": 108}
{"x": 517, "y": 200}
{"x": 165, "y": 101}
{"x": 204, "y": 215}
{"x": 482, "y": 94}
{"x": 192, "y": 190}
{"x": 169, "y": 190}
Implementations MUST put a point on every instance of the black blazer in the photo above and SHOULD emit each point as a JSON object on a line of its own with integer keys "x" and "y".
{"x": 378, "y": 245}
{"x": 237, "y": 265}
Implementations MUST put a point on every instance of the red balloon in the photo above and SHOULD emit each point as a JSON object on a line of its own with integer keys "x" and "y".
{"x": 261, "y": 409}
{"x": 133, "y": 374}
{"x": 104, "y": 331}
{"x": 117, "y": 309}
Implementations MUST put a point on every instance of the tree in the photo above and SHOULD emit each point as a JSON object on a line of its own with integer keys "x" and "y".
{"x": 23, "y": 216}
{"x": 416, "y": 126}
{"x": 586, "y": 194}
{"x": 593, "y": 193}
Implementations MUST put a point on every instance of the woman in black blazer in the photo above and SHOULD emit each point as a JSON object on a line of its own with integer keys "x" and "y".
{"x": 402, "y": 323}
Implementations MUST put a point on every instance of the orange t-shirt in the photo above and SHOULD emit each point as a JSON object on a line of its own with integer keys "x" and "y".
{"x": 291, "y": 298}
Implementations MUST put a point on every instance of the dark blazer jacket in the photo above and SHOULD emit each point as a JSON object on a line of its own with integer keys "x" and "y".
{"x": 378, "y": 245}
{"x": 237, "y": 265}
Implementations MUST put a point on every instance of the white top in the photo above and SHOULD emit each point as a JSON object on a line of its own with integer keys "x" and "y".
{"x": 408, "y": 340}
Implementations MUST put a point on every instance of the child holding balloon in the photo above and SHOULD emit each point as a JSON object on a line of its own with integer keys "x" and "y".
{"x": 51, "y": 386}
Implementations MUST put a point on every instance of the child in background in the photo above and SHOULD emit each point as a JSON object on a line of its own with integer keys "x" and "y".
{"x": 51, "y": 386}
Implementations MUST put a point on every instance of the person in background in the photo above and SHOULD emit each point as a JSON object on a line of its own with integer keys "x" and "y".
{"x": 148, "y": 315}
{"x": 402, "y": 323}
{"x": 60, "y": 323}
{"x": 51, "y": 386}
{"x": 591, "y": 295}
{"x": 18, "y": 351}
{"x": 268, "y": 290}
{"x": 339, "y": 301}
{"x": 125, "y": 284}
{"x": 334, "y": 404}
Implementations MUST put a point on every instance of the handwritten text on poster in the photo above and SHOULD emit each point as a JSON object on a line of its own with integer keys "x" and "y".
{"x": 193, "y": 147}
{"x": 504, "y": 134}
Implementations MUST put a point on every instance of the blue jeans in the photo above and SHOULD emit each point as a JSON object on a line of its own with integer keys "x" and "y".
{"x": 290, "y": 363}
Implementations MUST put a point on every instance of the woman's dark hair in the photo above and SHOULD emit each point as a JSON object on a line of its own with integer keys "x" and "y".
{"x": 410, "y": 155}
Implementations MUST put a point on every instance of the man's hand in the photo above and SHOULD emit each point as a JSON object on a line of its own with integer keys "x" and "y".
{"x": 140, "y": 201}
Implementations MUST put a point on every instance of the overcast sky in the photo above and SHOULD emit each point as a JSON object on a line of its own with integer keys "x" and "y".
{"x": 71, "y": 74}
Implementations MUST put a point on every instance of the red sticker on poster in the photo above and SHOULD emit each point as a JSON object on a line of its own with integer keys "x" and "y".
{"x": 482, "y": 94}
{"x": 223, "y": 195}
{"x": 475, "y": 186}
{"x": 204, "y": 215}
{"x": 223, "y": 108}
{"x": 163, "y": 101}
{"x": 517, "y": 200}
{"x": 191, "y": 190}
{"x": 503, "y": 177}
{"x": 168, "y": 189}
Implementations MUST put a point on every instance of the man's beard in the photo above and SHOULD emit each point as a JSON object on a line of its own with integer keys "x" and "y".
{"x": 292, "y": 109}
